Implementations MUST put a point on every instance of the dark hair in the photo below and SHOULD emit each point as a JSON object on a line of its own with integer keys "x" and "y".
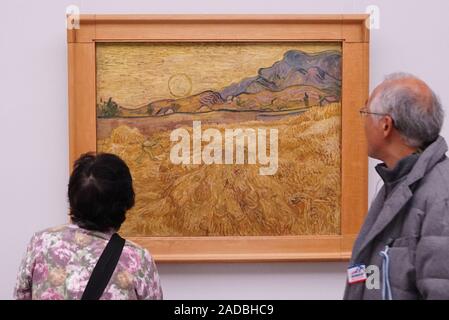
{"x": 100, "y": 192}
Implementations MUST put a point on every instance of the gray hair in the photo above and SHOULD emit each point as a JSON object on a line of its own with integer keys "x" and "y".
{"x": 419, "y": 122}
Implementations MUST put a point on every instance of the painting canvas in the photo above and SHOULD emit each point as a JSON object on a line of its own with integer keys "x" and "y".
{"x": 225, "y": 139}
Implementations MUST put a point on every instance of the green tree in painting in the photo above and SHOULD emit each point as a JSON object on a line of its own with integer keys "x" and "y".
{"x": 108, "y": 109}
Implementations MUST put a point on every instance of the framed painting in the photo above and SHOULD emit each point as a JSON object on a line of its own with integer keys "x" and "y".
{"x": 242, "y": 132}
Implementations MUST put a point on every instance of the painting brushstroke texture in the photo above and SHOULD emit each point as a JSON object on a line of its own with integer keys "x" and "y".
{"x": 287, "y": 94}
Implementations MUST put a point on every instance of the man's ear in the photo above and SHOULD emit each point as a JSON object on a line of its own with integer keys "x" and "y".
{"x": 387, "y": 125}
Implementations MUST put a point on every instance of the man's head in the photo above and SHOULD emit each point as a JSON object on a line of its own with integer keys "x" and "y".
{"x": 402, "y": 113}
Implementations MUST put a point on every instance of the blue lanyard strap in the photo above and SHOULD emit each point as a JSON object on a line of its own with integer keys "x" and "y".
{"x": 386, "y": 289}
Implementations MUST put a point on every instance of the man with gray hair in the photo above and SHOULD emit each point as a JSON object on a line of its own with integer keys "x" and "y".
{"x": 402, "y": 251}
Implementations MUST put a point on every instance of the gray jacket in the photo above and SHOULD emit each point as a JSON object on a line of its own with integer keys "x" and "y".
{"x": 414, "y": 222}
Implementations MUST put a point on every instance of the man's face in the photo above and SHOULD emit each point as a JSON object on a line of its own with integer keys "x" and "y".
{"x": 373, "y": 129}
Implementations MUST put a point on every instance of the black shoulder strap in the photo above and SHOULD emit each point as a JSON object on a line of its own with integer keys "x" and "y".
{"x": 104, "y": 268}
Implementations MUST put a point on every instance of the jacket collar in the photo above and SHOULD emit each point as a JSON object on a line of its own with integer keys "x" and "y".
{"x": 427, "y": 160}
{"x": 392, "y": 177}
{"x": 402, "y": 168}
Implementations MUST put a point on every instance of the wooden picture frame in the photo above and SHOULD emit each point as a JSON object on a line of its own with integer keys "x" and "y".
{"x": 350, "y": 30}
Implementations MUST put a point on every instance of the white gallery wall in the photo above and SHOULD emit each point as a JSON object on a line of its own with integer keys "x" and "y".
{"x": 413, "y": 37}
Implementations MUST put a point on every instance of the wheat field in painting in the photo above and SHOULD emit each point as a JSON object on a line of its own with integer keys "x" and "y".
{"x": 145, "y": 91}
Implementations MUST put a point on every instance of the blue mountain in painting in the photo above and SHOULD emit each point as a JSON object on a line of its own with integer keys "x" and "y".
{"x": 299, "y": 80}
{"x": 321, "y": 70}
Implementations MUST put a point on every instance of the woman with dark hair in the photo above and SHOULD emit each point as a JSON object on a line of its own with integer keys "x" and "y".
{"x": 76, "y": 261}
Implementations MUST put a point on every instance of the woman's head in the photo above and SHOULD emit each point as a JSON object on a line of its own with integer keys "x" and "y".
{"x": 100, "y": 192}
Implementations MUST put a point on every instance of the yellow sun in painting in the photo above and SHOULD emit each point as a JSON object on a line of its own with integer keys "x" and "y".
{"x": 180, "y": 85}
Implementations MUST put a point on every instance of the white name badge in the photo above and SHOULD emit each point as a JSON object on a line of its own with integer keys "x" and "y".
{"x": 356, "y": 273}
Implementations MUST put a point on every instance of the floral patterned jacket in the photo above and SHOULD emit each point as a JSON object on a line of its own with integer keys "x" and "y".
{"x": 59, "y": 262}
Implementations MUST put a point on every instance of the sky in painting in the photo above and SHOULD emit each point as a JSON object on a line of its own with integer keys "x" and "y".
{"x": 138, "y": 73}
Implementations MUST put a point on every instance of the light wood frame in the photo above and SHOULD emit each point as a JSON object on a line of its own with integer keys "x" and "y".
{"x": 350, "y": 30}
